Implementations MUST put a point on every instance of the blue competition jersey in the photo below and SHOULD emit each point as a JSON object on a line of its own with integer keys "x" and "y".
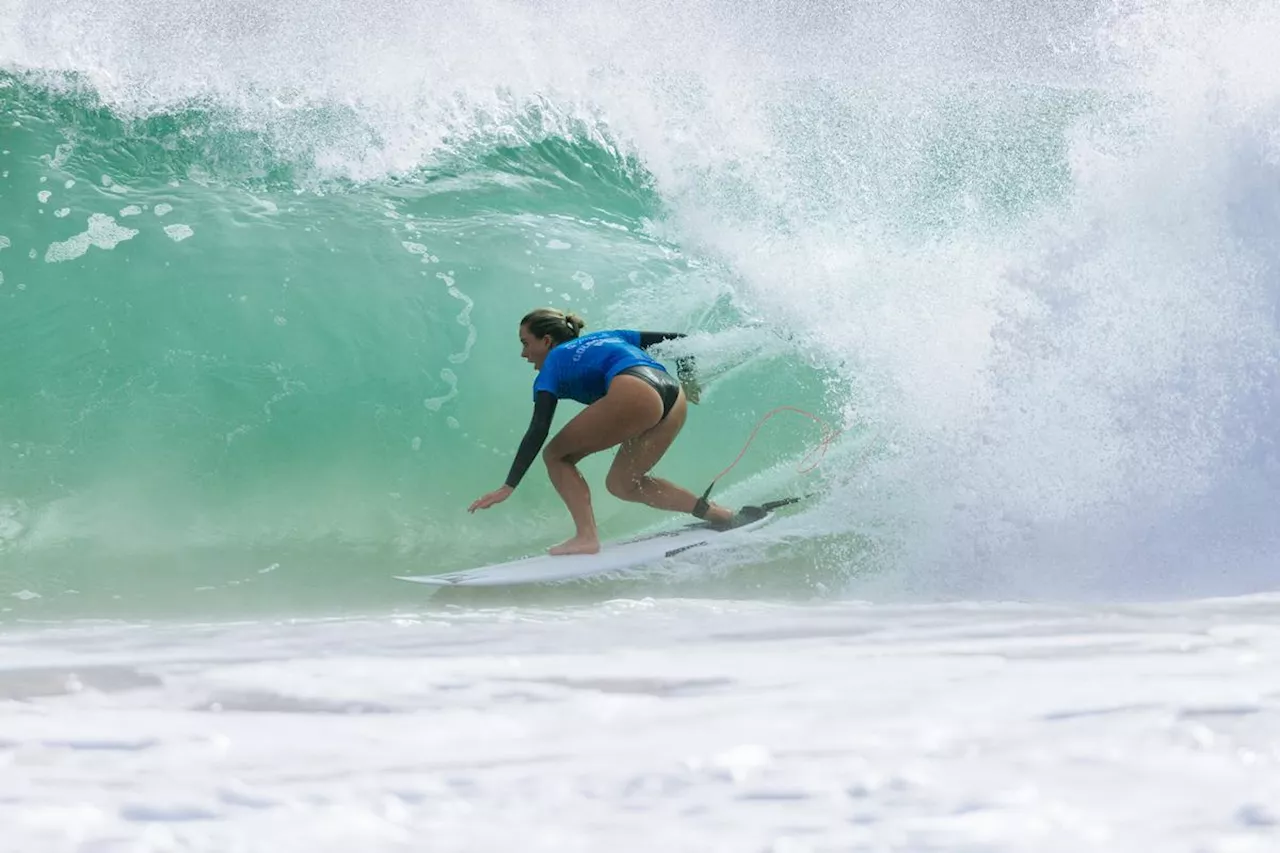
{"x": 580, "y": 369}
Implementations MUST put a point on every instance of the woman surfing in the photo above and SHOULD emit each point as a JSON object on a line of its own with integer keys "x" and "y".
{"x": 631, "y": 402}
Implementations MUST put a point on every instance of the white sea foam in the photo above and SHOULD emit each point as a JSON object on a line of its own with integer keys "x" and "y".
{"x": 102, "y": 233}
{"x": 178, "y": 232}
{"x": 641, "y": 725}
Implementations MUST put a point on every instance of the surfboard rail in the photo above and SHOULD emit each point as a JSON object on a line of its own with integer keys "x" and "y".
{"x": 618, "y": 555}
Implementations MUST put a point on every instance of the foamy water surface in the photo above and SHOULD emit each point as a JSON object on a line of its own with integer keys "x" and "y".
{"x": 644, "y": 725}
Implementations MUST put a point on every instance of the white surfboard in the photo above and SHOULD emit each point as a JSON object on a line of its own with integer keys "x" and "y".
{"x": 613, "y": 556}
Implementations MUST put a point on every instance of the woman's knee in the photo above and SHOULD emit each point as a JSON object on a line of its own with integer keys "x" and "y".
{"x": 552, "y": 454}
{"x": 623, "y": 486}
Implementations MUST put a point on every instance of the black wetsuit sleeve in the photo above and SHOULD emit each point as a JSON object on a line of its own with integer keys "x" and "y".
{"x": 686, "y": 365}
{"x": 648, "y": 339}
{"x": 544, "y": 407}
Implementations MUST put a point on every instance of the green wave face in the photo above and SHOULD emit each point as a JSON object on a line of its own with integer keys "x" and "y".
{"x": 219, "y": 363}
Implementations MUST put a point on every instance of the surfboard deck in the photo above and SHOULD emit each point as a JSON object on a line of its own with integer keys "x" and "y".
{"x": 614, "y": 556}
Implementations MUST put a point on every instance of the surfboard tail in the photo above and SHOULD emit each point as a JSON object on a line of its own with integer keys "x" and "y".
{"x": 770, "y": 506}
{"x": 752, "y": 512}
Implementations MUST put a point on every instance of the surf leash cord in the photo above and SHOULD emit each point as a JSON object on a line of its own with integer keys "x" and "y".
{"x": 829, "y": 434}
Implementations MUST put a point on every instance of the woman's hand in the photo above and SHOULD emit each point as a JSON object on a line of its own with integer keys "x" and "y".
{"x": 688, "y": 377}
{"x": 692, "y": 390}
{"x": 497, "y": 496}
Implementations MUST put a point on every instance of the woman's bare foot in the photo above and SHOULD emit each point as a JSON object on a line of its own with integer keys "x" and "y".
{"x": 576, "y": 545}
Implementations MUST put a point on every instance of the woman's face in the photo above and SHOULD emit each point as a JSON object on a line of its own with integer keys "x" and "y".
{"x": 534, "y": 350}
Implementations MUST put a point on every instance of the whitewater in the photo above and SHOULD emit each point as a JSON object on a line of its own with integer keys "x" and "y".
{"x": 261, "y": 268}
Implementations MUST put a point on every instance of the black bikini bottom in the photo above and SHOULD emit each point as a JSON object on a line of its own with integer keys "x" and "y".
{"x": 659, "y": 380}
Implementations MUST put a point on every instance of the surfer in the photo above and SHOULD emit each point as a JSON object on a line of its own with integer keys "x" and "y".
{"x": 631, "y": 402}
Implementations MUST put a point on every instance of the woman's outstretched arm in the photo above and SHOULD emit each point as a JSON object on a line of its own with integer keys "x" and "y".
{"x": 544, "y": 408}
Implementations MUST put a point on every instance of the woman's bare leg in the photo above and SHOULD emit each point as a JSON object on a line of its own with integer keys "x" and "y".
{"x": 576, "y": 494}
{"x": 630, "y": 408}
{"x": 629, "y": 477}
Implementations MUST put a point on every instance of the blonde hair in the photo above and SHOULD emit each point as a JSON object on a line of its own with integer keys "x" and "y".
{"x": 549, "y": 321}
